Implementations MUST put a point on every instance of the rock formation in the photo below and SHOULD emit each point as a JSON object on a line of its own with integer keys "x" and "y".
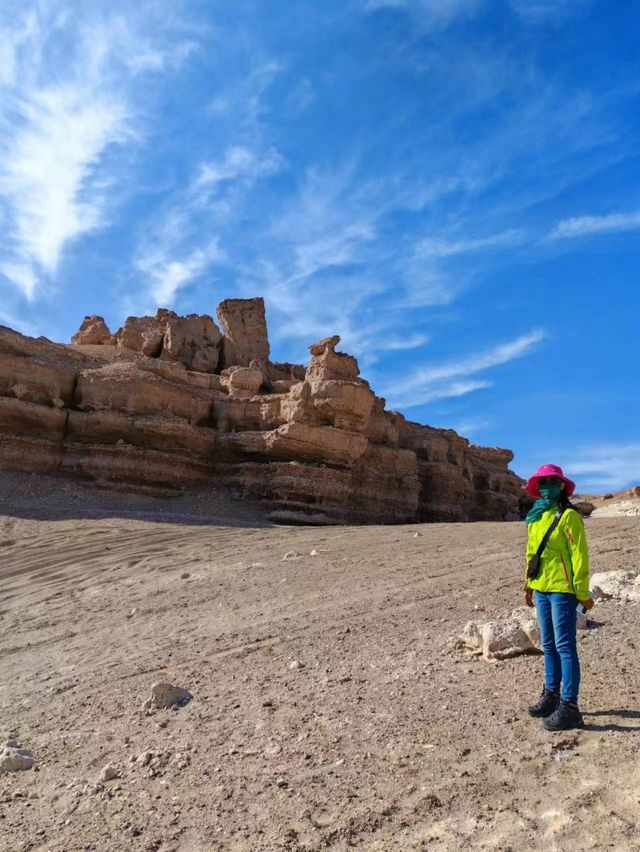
{"x": 169, "y": 401}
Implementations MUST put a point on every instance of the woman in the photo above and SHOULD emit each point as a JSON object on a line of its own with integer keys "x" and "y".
{"x": 559, "y": 584}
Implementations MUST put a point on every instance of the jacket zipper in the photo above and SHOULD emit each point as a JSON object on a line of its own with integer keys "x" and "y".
{"x": 564, "y": 568}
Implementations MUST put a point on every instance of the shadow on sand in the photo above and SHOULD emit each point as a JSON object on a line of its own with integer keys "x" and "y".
{"x": 620, "y": 714}
{"x": 39, "y": 497}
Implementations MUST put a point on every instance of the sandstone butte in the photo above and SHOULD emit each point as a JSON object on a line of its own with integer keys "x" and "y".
{"x": 169, "y": 402}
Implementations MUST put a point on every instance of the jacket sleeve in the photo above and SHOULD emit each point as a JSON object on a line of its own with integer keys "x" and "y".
{"x": 528, "y": 554}
{"x": 577, "y": 541}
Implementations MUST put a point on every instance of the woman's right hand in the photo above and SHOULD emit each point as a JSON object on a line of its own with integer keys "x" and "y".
{"x": 528, "y": 597}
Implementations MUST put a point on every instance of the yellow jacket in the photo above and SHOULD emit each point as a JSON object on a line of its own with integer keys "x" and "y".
{"x": 565, "y": 561}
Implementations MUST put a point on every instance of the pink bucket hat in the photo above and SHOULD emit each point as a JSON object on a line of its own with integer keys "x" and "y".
{"x": 549, "y": 470}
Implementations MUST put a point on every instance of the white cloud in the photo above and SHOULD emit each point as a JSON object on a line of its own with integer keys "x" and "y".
{"x": 169, "y": 274}
{"x": 472, "y": 426}
{"x": 545, "y": 10}
{"x": 450, "y": 248}
{"x": 584, "y": 226}
{"x": 63, "y": 123}
{"x": 49, "y": 163}
{"x": 173, "y": 252}
{"x": 605, "y": 467}
{"x": 22, "y": 275}
{"x": 411, "y": 341}
{"x": 452, "y": 378}
{"x": 238, "y": 162}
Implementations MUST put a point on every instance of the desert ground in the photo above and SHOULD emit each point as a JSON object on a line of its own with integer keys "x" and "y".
{"x": 328, "y": 710}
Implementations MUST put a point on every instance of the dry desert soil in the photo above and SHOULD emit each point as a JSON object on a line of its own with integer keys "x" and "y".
{"x": 328, "y": 712}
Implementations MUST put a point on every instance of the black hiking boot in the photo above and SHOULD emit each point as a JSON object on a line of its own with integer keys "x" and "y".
{"x": 546, "y": 706}
{"x": 565, "y": 718}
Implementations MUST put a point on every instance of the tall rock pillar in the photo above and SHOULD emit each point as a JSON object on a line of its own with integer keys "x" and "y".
{"x": 245, "y": 332}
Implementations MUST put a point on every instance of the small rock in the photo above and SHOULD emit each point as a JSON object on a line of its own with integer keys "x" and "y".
{"x": 502, "y": 638}
{"x": 291, "y": 554}
{"x": 185, "y": 575}
{"x": 295, "y": 665}
{"x": 14, "y": 758}
{"x": 166, "y": 695}
{"x": 132, "y": 613}
{"x": 282, "y": 782}
{"x": 144, "y": 758}
{"x": 109, "y": 772}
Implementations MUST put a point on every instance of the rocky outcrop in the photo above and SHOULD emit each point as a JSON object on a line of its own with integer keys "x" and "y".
{"x": 245, "y": 332}
{"x": 93, "y": 332}
{"x": 172, "y": 402}
{"x": 193, "y": 341}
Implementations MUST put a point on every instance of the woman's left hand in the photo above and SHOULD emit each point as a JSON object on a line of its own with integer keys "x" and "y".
{"x": 588, "y": 604}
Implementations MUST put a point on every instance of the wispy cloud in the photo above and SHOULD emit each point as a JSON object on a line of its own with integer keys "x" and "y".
{"x": 545, "y": 10}
{"x": 452, "y": 378}
{"x": 174, "y": 251}
{"x": 605, "y": 467}
{"x": 412, "y": 341}
{"x": 472, "y": 426}
{"x": 585, "y": 226}
{"x": 168, "y": 273}
{"x": 450, "y": 248}
{"x": 432, "y": 14}
{"x": 63, "y": 124}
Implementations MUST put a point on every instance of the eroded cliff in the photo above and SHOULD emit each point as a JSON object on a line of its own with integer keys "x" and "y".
{"x": 172, "y": 401}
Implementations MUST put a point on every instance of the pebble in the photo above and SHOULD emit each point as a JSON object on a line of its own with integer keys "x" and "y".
{"x": 291, "y": 554}
{"x": 295, "y": 665}
{"x": 109, "y": 772}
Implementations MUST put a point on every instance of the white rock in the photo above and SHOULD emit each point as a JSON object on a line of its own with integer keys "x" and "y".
{"x": 295, "y": 665}
{"x": 499, "y": 639}
{"x": 291, "y": 554}
{"x": 619, "y": 509}
{"x": 14, "y": 758}
{"x": 620, "y": 585}
{"x": 165, "y": 695}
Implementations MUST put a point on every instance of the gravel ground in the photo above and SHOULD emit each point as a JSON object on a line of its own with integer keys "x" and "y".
{"x": 327, "y": 711}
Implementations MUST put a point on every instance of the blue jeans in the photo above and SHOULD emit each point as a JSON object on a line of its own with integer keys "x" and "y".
{"x": 557, "y": 617}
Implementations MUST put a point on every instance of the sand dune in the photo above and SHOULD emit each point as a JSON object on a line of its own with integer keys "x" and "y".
{"x": 327, "y": 711}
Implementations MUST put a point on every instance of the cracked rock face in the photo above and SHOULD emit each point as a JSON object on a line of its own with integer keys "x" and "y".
{"x": 169, "y": 402}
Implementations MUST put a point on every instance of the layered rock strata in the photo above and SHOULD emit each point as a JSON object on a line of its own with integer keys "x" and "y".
{"x": 170, "y": 401}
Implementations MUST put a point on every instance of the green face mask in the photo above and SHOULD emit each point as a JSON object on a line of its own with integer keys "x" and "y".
{"x": 551, "y": 491}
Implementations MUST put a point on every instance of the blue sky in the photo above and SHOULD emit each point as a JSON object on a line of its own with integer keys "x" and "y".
{"x": 453, "y": 186}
